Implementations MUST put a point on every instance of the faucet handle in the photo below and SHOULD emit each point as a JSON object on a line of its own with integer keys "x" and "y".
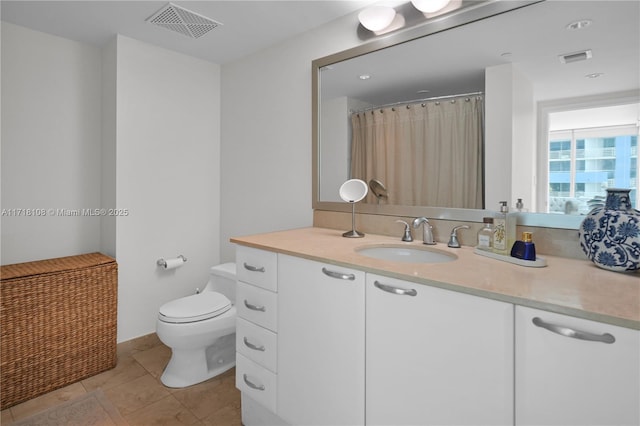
{"x": 407, "y": 231}
{"x": 453, "y": 239}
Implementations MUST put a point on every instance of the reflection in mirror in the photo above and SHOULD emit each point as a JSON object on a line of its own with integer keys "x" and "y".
{"x": 529, "y": 62}
{"x": 427, "y": 154}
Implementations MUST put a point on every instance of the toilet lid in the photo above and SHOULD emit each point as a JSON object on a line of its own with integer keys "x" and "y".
{"x": 196, "y": 307}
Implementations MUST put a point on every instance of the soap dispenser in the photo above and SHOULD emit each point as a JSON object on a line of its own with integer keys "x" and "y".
{"x": 504, "y": 234}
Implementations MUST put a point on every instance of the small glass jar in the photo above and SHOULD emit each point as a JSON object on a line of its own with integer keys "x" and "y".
{"x": 485, "y": 235}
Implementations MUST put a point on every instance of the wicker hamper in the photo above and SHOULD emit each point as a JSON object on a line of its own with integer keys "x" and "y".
{"x": 57, "y": 323}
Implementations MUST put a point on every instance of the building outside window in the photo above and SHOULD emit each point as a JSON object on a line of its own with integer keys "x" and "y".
{"x": 583, "y": 163}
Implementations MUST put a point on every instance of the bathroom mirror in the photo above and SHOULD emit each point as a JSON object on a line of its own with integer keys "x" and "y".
{"x": 450, "y": 56}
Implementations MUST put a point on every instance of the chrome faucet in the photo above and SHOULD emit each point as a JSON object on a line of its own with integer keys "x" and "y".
{"x": 427, "y": 230}
{"x": 453, "y": 239}
{"x": 407, "y": 231}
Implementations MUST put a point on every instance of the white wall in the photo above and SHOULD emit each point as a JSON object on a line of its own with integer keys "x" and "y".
{"x": 168, "y": 177}
{"x": 266, "y": 133}
{"x": 335, "y": 134}
{"x": 51, "y": 135}
{"x": 510, "y": 147}
{"x": 132, "y": 127}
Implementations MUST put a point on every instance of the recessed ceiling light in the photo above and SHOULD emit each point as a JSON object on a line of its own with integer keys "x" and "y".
{"x": 506, "y": 54}
{"x": 578, "y": 25}
{"x": 364, "y": 76}
{"x": 594, "y": 75}
{"x": 422, "y": 92}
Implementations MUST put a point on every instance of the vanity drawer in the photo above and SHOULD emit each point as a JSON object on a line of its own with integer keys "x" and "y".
{"x": 257, "y": 305}
{"x": 257, "y": 267}
{"x": 256, "y": 382}
{"x": 256, "y": 343}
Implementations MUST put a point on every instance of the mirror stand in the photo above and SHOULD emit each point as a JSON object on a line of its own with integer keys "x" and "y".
{"x": 353, "y": 233}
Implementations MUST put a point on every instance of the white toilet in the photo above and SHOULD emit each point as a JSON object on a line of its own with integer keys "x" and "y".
{"x": 200, "y": 330}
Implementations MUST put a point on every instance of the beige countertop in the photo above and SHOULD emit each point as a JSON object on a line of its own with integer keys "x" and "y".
{"x": 567, "y": 286}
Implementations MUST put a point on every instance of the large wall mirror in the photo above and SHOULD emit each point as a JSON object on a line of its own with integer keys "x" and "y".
{"x": 529, "y": 68}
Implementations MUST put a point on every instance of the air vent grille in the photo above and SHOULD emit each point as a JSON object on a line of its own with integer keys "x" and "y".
{"x": 567, "y": 58}
{"x": 183, "y": 21}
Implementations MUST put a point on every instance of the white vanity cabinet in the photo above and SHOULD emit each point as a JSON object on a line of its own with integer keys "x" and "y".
{"x": 436, "y": 357}
{"x": 321, "y": 348}
{"x": 571, "y": 371}
{"x": 256, "y": 326}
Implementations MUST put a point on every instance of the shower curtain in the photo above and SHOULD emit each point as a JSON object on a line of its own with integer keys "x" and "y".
{"x": 426, "y": 154}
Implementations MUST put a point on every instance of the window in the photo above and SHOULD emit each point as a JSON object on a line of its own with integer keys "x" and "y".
{"x": 583, "y": 163}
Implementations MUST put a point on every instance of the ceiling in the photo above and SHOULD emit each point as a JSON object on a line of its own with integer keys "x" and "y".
{"x": 247, "y": 26}
{"x": 445, "y": 63}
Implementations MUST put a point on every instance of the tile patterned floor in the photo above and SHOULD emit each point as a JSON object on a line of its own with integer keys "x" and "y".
{"x": 134, "y": 388}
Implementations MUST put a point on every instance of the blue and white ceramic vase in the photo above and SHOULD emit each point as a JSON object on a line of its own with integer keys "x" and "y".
{"x": 610, "y": 235}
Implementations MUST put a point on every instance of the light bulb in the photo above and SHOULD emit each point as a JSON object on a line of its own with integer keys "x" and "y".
{"x": 430, "y": 6}
{"x": 376, "y": 18}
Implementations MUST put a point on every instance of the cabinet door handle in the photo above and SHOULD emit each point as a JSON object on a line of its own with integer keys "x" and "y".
{"x": 395, "y": 290}
{"x": 338, "y": 275}
{"x": 253, "y": 385}
{"x": 254, "y": 307}
{"x": 252, "y": 346}
{"x": 253, "y": 268}
{"x": 575, "y": 334}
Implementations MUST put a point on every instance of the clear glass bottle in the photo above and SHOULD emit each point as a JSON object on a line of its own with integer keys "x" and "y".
{"x": 504, "y": 235}
{"x": 485, "y": 235}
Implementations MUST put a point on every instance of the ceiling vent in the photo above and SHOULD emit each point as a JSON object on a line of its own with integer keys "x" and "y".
{"x": 567, "y": 58}
{"x": 183, "y": 21}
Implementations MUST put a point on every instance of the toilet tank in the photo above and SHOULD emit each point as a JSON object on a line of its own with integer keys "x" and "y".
{"x": 222, "y": 279}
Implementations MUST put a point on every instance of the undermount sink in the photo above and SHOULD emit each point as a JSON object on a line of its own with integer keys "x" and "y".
{"x": 403, "y": 253}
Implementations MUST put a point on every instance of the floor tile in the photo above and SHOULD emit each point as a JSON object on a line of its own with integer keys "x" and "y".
{"x": 167, "y": 411}
{"x": 154, "y": 359}
{"x": 47, "y": 400}
{"x": 134, "y": 388}
{"x": 5, "y": 416}
{"x": 126, "y": 370}
{"x": 138, "y": 344}
{"x": 208, "y": 397}
{"x": 225, "y": 416}
{"x": 136, "y": 394}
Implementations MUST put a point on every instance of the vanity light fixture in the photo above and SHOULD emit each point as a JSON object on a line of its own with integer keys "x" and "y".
{"x": 430, "y": 6}
{"x": 377, "y": 18}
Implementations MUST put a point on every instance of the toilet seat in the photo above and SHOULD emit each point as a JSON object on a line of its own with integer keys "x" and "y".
{"x": 197, "y": 307}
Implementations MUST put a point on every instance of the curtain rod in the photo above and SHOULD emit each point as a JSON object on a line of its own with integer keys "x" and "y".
{"x": 413, "y": 101}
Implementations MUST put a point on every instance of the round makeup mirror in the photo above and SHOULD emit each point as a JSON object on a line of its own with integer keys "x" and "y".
{"x": 353, "y": 190}
{"x": 378, "y": 189}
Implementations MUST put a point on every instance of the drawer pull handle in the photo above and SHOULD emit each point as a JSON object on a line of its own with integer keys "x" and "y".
{"x": 253, "y": 385}
{"x": 252, "y": 346}
{"x": 575, "y": 334}
{"x": 395, "y": 290}
{"x": 254, "y": 307}
{"x": 253, "y": 268}
{"x": 338, "y": 275}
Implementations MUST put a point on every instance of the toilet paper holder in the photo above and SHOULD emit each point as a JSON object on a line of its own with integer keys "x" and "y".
{"x": 163, "y": 263}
